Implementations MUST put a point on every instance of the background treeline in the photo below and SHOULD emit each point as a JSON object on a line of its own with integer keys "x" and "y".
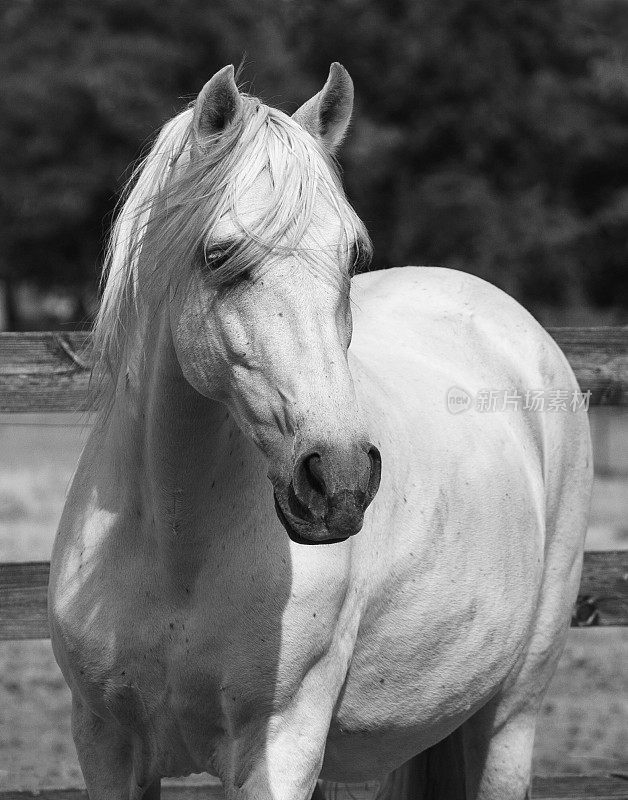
{"x": 488, "y": 136}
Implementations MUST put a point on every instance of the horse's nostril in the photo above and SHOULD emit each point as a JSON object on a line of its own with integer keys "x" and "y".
{"x": 376, "y": 472}
{"x": 309, "y": 483}
{"x": 313, "y": 470}
{"x": 323, "y": 477}
{"x": 296, "y": 506}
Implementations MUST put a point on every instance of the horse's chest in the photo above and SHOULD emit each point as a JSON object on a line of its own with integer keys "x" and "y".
{"x": 188, "y": 673}
{"x": 152, "y": 678}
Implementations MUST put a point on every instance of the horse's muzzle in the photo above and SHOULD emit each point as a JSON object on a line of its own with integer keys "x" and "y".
{"x": 325, "y": 501}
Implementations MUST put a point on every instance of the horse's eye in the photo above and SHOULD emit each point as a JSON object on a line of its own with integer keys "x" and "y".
{"x": 216, "y": 255}
{"x": 359, "y": 257}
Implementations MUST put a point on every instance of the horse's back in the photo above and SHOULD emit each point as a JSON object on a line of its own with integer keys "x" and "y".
{"x": 430, "y": 314}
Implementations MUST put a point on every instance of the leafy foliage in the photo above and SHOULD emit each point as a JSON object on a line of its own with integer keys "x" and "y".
{"x": 491, "y": 137}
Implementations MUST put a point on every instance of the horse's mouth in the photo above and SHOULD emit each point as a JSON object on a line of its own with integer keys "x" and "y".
{"x": 297, "y": 537}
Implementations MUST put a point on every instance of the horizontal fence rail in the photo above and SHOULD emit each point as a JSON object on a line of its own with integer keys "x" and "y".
{"x": 603, "y": 598}
{"x": 42, "y": 372}
{"x": 599, "y": 359}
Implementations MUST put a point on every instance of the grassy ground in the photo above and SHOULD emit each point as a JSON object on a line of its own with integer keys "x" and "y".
{"x": 584, "y": 721}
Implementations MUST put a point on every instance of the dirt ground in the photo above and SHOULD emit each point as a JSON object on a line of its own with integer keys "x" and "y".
{"x": 584, "y": 722}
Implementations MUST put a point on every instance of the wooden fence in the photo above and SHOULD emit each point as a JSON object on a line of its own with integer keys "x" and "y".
{"x": 50, "y": 372}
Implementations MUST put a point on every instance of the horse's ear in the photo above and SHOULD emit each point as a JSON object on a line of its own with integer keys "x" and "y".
{"x": 326, "y": 115}
{"x": 217, "y": 105}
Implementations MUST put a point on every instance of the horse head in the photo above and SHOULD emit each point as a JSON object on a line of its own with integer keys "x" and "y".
{"x": 260, "y": 314}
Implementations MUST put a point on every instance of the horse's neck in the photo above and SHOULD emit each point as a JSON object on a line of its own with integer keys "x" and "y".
{"x": 175, "y": 438}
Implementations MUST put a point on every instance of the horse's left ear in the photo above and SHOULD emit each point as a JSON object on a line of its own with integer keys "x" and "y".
{"x": 326, "y": 115}
{"x": 217, "y": 105}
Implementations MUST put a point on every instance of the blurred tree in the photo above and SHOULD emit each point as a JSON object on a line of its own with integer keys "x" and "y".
{"x": 82, "y": 87}
{"x": 495, "y": 135}
{"x": 488, "y": 136}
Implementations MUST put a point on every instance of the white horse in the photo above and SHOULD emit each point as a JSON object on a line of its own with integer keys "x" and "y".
{"x": 412, "y": 644}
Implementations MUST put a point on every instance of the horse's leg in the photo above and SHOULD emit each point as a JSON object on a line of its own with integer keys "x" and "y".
{"x": 280, "y": 758}
{"x": 437, "y": 773}
{"x": 287, "y": 769}
{"x": 475, "y": 762}
{"x": 497, "y": 752}
{"x": 105, "y": 756}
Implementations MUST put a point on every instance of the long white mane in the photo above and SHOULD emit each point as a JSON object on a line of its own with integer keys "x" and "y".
{"x": 182, "y": 188}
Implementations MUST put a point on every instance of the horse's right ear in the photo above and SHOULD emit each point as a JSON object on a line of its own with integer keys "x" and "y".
{"x": 217, "y": 105}
{"x": 326, "y": 116}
